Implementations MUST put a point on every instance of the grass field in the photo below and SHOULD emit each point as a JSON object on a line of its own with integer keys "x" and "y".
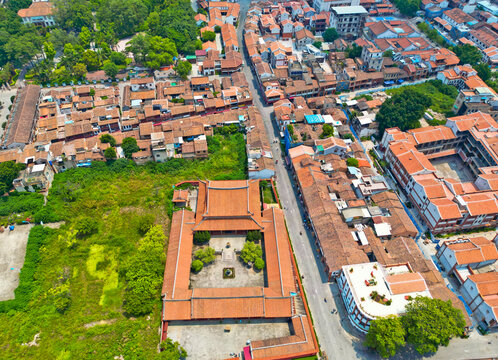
{"x": 76, "y": 306}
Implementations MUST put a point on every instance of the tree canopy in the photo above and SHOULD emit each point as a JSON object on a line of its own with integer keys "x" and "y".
{"x": 183, "y": 69}
{"x": 129, "y": 146}
{"x": 467, "y": 54}
{"x": 250, "y": 252}
{"x": 403, "y": 110}
{"x": 124, "y": 16}
{"x": 408, "y": 7}
{"x": 152, "y": 51}
{"x": 330, "y": 35}
{"x": 431, "y": 322}
{"x": 9, "y": 171}
{"x": 386, "y": 335}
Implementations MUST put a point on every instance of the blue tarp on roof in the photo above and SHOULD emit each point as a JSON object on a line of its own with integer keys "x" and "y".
{"x": 314, "y": 119}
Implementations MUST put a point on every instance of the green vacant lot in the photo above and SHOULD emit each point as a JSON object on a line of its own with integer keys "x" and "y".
{"x": 79, "y": 275}
{"x": 442, "y": 96}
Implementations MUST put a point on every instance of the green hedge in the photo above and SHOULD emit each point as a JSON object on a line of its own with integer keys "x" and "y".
{"x": 27, "y": 284}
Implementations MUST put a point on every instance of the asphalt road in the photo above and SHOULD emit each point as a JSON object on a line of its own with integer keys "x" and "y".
{"x": 335, "y": 334}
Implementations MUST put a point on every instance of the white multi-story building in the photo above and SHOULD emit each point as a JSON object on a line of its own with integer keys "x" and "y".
{"x": 348, "y": 20}
{"x": 371, "y": 290}
{"x": 372, "y": 58}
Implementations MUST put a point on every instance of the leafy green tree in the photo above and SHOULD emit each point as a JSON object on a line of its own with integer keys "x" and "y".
{"x": 259, "y": 264}
{"x": 118, "y": 58}
{"x": 110, "y": 153}
{"x": 129, "y": 146}
{"x": 197, "y": 266}
{"x": 49, "y": 50}
{"x": 386, "y": 335}
{"x": 176, "y": 22}
{"x": 79, "y": 70}
{"x": 73, "y": 14}
{"x": 290, "y": 129}
{"x": 388, "y": 54}
{"x": 183, "y": 69}
{"x": 110, "y": 69}
{"x": 467, "y": 54}
{"x": 408, "y": 7}
{"x": 152, "y": 51}
{"x": 431, "y": 322}
{"x": 317, "y": 44}
{"x": 124, "y": 16}
{"x": 201, "y": 237}
{"x": 16, "y": 5}
{"x": 85, "y": 37}
{"x": 483, "y": 71}
{"x": 172, "y": 350}
{"x": 403, "y": 110}
{"x": 250, "y": 252}
{"x": 327, "y": 131}
{"x": 9, "y": 171}
{"x": 352, "y": 162}
{"x": 208, "y": 36}
{"x": 91, "y": 59}
{"x": 205, "y": 255}
{"x": 354, "y": 51}
{"x": 254, "y": 236}
{"x": 108, "y": 139}
{"x": 330, "y": 35}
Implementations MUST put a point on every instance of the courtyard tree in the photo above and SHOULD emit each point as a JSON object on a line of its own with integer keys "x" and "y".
{"x": 9, "y": 170}
{"x": 205, "y": 255}
{"x": 250, "y": 252}
{"x": 386, "y": 335}
{"x": 110, "y": 69}
{"x": 352, "y": 162}
{"x": 183, "y": 69}
{"x": 259, "y": 264}
{"x": 327, "y": 131}
{"x": 431, "y": 322}
{"x": 208, "y": 36}
{"x": 330, "y": 35}
{"x": 201, "y": 237}
{"x": 468, "y": 54}
{"x": 254, "y": 236}
{"x": 197, "y": 266}
{"x": 108, "y": 139}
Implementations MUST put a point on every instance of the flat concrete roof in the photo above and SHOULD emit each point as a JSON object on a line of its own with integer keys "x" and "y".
{"x": 345, "y": 10}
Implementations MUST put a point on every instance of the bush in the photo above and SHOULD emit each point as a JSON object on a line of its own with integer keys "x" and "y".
{"x": 259, "y": 264}
{"x": 38, "y": 237}
{"x": 86, "y": 227}
{"x": 254, "y": 236}
{"x": 349, "y": 136}
{"x": 145, "y": 222}
{"x": 327, "y": 131}
{"x": 110, "y": 153}
{"x": 201, "y": 237}
{"x": 46, "y": 215}
{"x": 205, "y": 255}
{"x": 197, "y": 266}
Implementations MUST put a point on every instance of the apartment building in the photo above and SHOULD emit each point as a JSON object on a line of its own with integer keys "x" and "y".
{"x": 348, "y": 20}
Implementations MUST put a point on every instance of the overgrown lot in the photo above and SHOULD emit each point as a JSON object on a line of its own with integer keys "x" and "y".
{"x": 81, "y": 285}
